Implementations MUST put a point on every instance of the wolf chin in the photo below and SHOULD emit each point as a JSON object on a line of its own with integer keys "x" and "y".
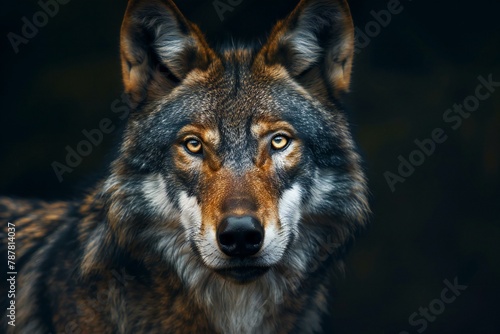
{"x": 235, "y": 194}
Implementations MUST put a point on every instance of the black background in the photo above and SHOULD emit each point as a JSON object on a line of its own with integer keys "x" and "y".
{"x": 441, "y": 223}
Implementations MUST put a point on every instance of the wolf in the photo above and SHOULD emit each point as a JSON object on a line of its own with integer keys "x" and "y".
{"x": 234, "y": 196}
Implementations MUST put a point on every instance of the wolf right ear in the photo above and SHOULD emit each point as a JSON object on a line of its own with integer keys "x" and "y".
{"x": 315, "y": 44}
{"x": 159, "y": 47}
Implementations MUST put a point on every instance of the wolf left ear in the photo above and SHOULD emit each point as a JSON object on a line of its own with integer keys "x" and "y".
{"x": 159, "y": 47}
{"x": 315, "y": 43}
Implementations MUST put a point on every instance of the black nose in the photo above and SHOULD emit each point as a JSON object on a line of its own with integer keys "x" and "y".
{"x": 240, "y": 236}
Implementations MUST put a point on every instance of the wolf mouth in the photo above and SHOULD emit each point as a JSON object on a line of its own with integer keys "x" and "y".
{"x": 242, "y": 274}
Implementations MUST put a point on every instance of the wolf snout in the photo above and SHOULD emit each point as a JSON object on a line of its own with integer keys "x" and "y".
{"x": 240, "y": 236}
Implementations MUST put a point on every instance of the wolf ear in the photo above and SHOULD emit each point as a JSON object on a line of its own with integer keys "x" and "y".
{"x": 159, "y": 47}
{"x": 315, "y": 43}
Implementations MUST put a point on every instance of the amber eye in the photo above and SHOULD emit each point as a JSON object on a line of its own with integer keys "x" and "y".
{"x": 279, "y": 142}
{"x": 193, "y": 146}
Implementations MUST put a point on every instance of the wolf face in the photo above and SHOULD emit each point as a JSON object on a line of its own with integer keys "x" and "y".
{"x": 238, "y": 161}
{"x": 232, "y": 200}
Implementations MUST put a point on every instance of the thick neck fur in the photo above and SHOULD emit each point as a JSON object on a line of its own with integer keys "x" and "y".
{"x": 158, "y": 234}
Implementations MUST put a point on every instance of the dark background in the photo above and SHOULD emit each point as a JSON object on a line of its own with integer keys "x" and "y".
{"x": 441, "y": 223}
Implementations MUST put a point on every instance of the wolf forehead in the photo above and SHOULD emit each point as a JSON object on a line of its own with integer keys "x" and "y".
{"x": 231, "y": 97}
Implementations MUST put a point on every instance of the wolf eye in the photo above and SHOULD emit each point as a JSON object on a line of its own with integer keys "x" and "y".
{"x": 193, "y": 146}
{"x": 279, "y": 142}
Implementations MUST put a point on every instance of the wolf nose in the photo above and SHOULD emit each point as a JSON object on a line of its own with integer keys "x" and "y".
{"x": 240, "y": 236}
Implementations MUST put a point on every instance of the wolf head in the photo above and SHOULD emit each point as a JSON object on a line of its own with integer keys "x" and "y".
{"x": 237, "y": 160}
